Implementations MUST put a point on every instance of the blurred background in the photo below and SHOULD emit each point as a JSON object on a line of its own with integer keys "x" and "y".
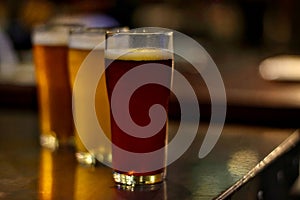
{"x": 254, "y": 23}
{"x": 238, "y": 34}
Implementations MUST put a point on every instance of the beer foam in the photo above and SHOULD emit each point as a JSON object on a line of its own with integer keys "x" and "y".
{"x": 139, "y": 54}
{"x": 86, "y": 42}
{"x": 51, "y": 37}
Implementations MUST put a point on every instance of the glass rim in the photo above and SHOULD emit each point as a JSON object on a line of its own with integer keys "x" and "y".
{"x": 105, "y": 30}
{"x": 167, "y": 33}
{"x": 136, "y": 39}
{"x": 56, "y": 26}
{"x": 88, "y": 30}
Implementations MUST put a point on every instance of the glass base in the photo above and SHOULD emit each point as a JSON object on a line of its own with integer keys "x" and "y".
{"x": 85, "y": 158}
{"x": 51, "y": 142}
{"x": 92, "y": 158}
{"x": 132, "y": 180}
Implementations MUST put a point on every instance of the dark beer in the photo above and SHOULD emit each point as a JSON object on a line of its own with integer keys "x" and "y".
{"x": 140, "y": 102}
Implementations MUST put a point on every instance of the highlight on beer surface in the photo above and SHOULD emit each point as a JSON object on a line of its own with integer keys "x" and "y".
{"x": 139, "y": 54}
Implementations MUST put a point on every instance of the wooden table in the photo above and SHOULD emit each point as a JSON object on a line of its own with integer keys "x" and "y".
{"x": 30, "y": 172}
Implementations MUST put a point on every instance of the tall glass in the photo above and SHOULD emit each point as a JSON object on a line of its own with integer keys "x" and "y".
{"x": 54, "y": 94}
{"x": 132, "y": 159}
{"x": 81, "y": 43}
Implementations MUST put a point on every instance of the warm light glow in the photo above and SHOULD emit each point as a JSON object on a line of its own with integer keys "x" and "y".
{"x": 285, "y": 68}
{"x": 152, "y": 179}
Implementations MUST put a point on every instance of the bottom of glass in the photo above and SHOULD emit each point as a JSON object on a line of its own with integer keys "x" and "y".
{"x": 85, "y": 158}
{"x": 93, "y": 157}
{"x": 51, "y": 142}
{"x": 132, "y": 180}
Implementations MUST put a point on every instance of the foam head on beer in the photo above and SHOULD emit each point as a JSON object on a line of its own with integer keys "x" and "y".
{"x": 87, "y": 39}
{"x": 52, "y": 34}
{"x": 139, "y": 46}
{"x": 139, "y": 54}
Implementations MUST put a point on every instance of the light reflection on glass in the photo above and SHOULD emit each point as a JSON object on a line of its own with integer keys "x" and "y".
{"x": 50, "y": 141}
{"x": 241, "y": 162}
{"x": 86, "y": 158}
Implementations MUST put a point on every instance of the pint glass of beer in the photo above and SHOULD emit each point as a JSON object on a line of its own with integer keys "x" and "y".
{"x": 81, "y": 43}
{"x": 54, "y": 94}
{"x": 139, "y": 68}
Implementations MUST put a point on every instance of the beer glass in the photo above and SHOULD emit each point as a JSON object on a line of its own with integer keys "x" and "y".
{"x": 139, "y": 68}
{"x": 54, "y": 94}
{"x": 81, "y": 43}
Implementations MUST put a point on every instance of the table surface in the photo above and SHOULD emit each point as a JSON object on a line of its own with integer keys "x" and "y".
{"x": 30, "y": 172}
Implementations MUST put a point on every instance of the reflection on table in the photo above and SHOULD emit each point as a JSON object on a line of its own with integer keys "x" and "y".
{"x": 30, "y": 172}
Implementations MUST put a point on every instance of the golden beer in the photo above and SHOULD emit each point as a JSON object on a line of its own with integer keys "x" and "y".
{"x": 54, "y": 94}
{"x": 81, "y": 43}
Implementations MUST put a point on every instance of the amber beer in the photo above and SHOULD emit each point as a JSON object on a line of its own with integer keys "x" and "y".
{"x": 140, "y": 102}
{"x": 54, "y": 94}
{"x": 81, "y": 43}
